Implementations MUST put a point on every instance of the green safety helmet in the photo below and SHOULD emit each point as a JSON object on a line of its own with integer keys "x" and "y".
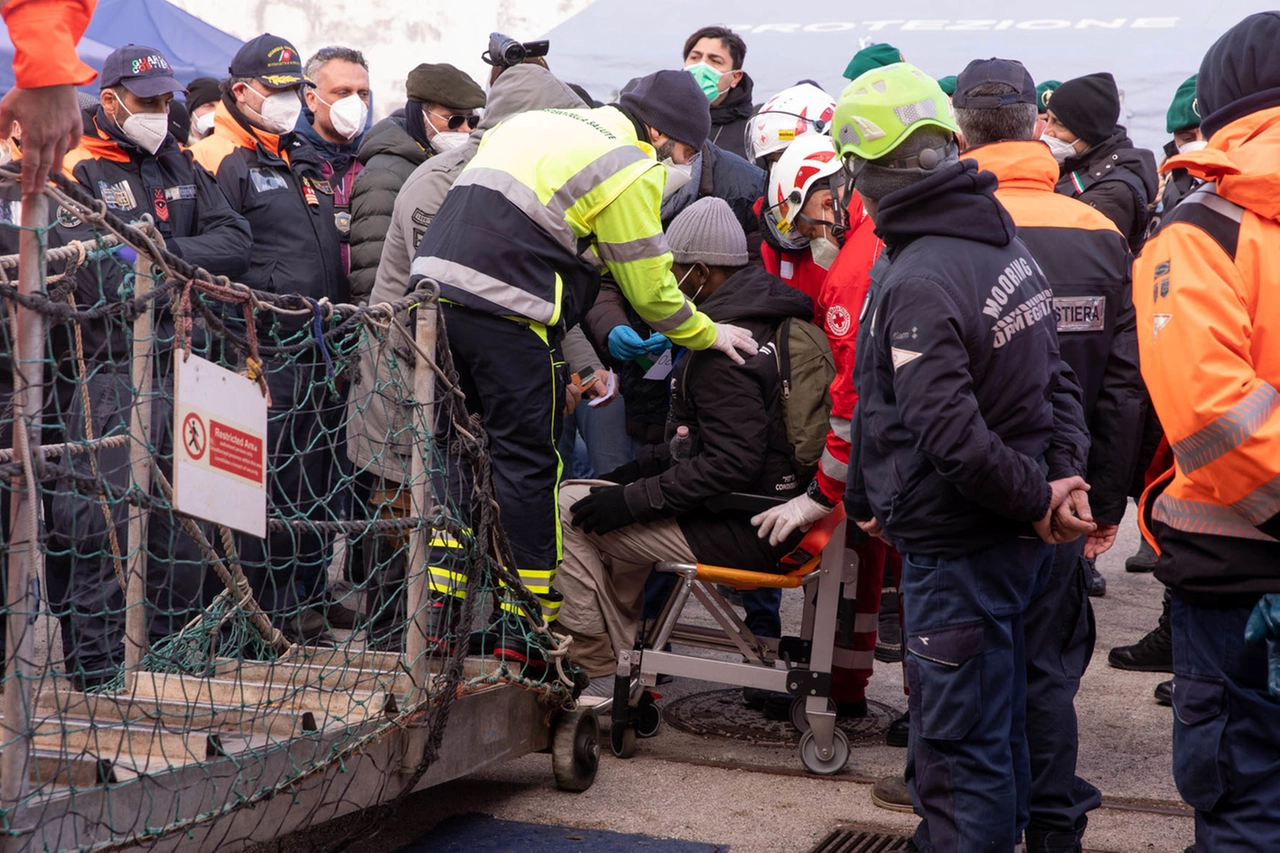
{"x": 883, "y": 106}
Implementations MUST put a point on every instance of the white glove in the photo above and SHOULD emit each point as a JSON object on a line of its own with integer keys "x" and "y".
{"x": 732, "y": 339}
{"x": 781, "y": 521}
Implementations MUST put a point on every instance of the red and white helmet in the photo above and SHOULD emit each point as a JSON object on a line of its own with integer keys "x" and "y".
{"x": 806, "y": 162}
{"x": 787, "y": 116}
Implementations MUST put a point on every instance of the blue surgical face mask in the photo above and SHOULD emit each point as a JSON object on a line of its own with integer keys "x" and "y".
{"x": 708, "y": 79}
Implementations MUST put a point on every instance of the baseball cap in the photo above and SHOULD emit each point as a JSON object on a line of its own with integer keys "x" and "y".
{"x": 983, "y": 71}
{"x": 142, "y": 70}
{"x": 272, "y": 61}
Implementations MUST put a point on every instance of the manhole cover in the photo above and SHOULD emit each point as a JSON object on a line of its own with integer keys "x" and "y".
{"x": 720, "y": 713}
{"x": 862, "y": 841}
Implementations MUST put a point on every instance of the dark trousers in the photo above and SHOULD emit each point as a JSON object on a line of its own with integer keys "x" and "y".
{"x": 968, "y": 766}
{"x": 514, "y": 378}
{"x": 84, "y": 592}
{"x": 1060, "y": 634}
{"x": 305, "y": 460}
{"x": 1226, "y": 730}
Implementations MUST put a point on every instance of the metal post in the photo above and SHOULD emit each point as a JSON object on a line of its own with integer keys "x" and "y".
{"x": 416, "y": 581}
{"x": 135, "y": 618}
{"x": 26, "y": 560}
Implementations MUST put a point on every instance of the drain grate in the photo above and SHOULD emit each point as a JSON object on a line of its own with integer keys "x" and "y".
{"x": 854, "y": 840}
{"x": 720, "y": 713}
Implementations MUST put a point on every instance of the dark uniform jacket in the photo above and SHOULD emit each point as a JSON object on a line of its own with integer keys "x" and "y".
{"x": 729, "y": 118}
{"x": 189, "y": 210}
{"x": 1086, "y": 261}
{"x": 962, "y": 414}
{"x": 734, "y": 415}
{"x": 277, "y": 184}
{"x": 389, "y": 155}
{"x": 1118, "y": 179}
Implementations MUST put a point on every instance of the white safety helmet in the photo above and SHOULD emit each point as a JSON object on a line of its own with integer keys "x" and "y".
{"x": 806, "y": 162}
{"x": 785, "y": 117}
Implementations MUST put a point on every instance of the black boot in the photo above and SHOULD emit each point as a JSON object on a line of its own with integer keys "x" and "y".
{"x": 1097, "y": 583}
{"x": 1164, "y": 693}
{"x": 1153, "y": 653}
{"x": 1143, "y": 561}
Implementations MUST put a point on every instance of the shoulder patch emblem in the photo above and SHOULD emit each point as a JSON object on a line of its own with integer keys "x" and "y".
{"x": 903, "y": 356}
{"x": 839, "y": 321}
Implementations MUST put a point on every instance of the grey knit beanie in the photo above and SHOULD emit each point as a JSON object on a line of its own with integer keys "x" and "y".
{"x": 671, "y": 103}
{"x": 708, "y": 231}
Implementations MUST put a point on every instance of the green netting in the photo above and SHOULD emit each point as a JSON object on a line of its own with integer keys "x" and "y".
{"x": 166, "y": 678}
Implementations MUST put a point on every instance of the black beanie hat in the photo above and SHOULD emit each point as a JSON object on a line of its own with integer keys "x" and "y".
{"x": 1241, "y": 72}
{"x": 201, "y": 91}
{"x": 670, "y": 102}
{"x": 1088, "y": 106}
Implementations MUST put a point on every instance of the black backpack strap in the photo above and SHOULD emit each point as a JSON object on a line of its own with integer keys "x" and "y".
{"x": 1212, "y": 214}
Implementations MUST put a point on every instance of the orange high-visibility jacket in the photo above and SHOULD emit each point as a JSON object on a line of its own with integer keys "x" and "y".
{"x": 45, "y": 34}
{"x": 1207, "y": 294}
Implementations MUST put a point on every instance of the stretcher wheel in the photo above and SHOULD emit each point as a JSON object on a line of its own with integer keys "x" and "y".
{"x": 648, "y": 717}
{"x": 798, "y": 717}
{"x": 575, "y": 750}
{"x": 815, "y": 763}
{"x": 623, "y": 740}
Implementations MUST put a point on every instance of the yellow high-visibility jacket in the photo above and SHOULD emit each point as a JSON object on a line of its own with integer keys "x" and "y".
{"x": 551, "y": 198}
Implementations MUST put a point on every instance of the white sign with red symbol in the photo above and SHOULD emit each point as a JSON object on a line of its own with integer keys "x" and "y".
{"x": 220, "y": 446}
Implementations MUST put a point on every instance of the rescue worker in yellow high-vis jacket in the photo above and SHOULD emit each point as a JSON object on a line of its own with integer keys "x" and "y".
{"x": 550, "y": 200}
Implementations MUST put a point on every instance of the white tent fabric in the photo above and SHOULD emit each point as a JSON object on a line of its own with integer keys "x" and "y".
{"x": 1150, "y": 46}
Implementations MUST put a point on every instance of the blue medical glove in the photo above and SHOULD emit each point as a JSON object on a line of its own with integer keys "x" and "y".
{"x": 625, "y": 343}
{"x": 656, "y": 343}
{"x": 1264, "y": 624}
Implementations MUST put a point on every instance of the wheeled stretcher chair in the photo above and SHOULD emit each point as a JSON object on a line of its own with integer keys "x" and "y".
{"x": 800, "y": 666}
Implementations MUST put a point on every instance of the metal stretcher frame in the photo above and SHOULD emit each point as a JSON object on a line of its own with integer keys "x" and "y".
{"x": 798, "y": 666}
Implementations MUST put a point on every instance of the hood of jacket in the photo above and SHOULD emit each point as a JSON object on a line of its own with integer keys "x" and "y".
{"x": 753, "y": 294}
{"x": 1022, "y": 165}
{"x": 519, "y": 90}
{"x": 958, "y": 201}
{"x": 736, "y": 105}
{"x": 1241, "y": 157}
{"x": 390, "y": 137}
{"x": 1118, "y": 147}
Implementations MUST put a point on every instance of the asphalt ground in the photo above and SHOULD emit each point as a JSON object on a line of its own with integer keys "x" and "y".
{"x": 754, "y": 797}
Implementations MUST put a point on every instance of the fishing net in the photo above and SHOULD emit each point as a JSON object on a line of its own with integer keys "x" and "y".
{"x": 172, "y": 682}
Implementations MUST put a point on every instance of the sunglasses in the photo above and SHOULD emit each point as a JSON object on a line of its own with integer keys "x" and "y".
{"x": 457, "y": 121}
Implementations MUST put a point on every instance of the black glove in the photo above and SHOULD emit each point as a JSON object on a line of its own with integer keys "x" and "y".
{"x": 602, "y": 511}
{"x": 624, "y": 474}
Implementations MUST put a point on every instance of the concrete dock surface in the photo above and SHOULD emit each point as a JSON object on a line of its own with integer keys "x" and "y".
{"x": 755, "y": 797}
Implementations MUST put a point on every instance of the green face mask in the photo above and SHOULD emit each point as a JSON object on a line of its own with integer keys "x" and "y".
{"x": 708, "y": 79}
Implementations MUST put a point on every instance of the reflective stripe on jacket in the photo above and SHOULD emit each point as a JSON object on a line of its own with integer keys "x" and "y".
{"x": 1207, "y": 293}
{"x": 550, "y": 198}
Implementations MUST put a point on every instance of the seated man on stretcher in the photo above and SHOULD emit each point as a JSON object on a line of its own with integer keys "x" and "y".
{"x": 656, "y": 508}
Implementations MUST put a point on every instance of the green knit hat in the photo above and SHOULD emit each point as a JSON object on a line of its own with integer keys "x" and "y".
{"x": 1043, "y": 91}
{"x": 948, "y": 85}
{"x": 872, "y": 56}
{"x": 1184, "y": 112}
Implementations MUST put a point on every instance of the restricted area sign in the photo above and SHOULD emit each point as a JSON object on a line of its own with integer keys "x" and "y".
{"x": 220, "y": 446}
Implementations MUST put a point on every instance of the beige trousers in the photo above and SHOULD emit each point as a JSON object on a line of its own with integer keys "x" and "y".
{"x": 602, "y": 580}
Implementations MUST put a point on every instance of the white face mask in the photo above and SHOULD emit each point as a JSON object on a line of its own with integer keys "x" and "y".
{"x": 347, "y": 115}
{"x": 279, "y": 111}
{"x": 1193, "y": 145}
{"x": 203, "y": 124}
{"x": 448, "y": 140}
{"x": 1059, "y": 149}
{"x": 678, "y": 174}
{"x": 823, "y": 251}
{"x": 146, "y": 130}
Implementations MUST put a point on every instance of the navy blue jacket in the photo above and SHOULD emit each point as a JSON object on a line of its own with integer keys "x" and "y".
{"x": 964, "y": 414}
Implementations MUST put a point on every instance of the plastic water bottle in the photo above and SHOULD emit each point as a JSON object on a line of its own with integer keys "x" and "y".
{"x": 681, "y": 445}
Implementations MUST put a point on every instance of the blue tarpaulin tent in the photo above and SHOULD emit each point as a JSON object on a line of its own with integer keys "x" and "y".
{"x": 194, "y": 48}
{"x": 1150, "y": 45}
